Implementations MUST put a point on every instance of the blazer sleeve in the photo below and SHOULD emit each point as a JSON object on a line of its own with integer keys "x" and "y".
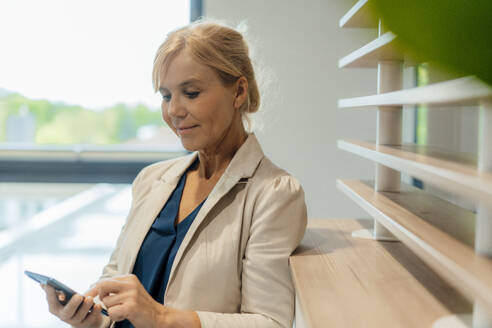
{"x": 277, "y": 227}
{"x": 111, "y": 268}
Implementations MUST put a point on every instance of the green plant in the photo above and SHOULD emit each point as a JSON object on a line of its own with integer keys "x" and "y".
{"x": 454, "y": 34}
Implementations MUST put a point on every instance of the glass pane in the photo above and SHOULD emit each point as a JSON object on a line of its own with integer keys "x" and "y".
{"x": 19, "y": 202}
{"x": 73, "y": 73}
{"x": 79, "y": 72}
{"x": 70, "y": 240}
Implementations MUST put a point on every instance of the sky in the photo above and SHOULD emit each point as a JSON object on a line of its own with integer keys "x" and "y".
{"x": 93, "y": 53}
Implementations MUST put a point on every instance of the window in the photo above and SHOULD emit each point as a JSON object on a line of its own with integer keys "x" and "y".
{"x": 76, "y": 105}
{"x": 75, "y": 79}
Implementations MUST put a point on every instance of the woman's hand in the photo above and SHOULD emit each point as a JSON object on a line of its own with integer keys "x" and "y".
{"x": 76, "y": 311}
{"x": 126, "y": 298}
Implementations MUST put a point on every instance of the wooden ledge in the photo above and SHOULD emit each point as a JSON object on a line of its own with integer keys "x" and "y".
{"x": 342, "y": 281}
{"x": 406, "y": 215}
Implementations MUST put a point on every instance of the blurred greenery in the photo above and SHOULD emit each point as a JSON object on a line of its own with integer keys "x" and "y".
{"x": 455, "y": 34}
{"x": 59, "y": 123}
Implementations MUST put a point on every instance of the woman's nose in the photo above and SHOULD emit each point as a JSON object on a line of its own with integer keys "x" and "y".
{"x": 175, "y": 108}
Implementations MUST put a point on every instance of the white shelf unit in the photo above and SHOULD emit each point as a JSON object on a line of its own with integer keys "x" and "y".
{"x": 454, "y": 171}
{"x": 360, "y": 15}
{"x": 381, "y": 48}
{"x": 466, "y": 267}
{"x": 465, "y": 91}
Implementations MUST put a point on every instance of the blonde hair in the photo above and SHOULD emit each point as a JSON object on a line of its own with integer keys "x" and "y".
{"x": 219, "y": 47}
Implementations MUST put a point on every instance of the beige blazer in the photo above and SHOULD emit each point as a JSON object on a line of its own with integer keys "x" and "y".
{"x": 232, "y": 266}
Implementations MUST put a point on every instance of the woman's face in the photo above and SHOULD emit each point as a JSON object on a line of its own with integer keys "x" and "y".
{"x": 196, "y": 104}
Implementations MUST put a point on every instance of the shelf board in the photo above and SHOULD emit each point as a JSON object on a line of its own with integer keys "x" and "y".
{"x": 360, "y": 15}
{"x": 456, "y": 172}
{"x": 342, "y": 281}
{"x": 382, "y": 48}
{"x": 453, "y": 260}
{"x": 466, "y": 91}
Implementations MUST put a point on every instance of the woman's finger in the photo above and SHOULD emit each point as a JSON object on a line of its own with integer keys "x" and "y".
{"x": 94, "y": 316}
{"x": 71, "y": 307}
{"x": 54, "y": 305}
{"x": 117, "y": 312}
{"x": 83, "y": 310}
{"x": 107, "y": 287}
{"x": 125, "y": 277}
{"x": 61, "y": 296}
{"x": 113, "y": 299}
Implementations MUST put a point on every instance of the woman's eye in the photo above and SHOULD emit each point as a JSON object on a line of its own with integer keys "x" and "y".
{"x": 193, "y": 94}
{"x": 166, "y": 98}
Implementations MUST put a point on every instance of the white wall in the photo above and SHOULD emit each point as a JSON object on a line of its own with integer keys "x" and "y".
{"x": 300, "y": 41}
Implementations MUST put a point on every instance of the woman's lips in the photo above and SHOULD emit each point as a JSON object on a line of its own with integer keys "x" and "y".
{"x": 186, "y": 129}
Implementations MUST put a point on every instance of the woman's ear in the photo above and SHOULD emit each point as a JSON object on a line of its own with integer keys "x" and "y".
{"x": 241, "y": 92}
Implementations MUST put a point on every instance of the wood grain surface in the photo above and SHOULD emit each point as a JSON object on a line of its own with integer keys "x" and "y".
{"x": 343, "y": 281}
{"x": 451, "y": 259}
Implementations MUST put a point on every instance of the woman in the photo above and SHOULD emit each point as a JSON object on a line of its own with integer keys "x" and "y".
{"x": 208, "y": 236}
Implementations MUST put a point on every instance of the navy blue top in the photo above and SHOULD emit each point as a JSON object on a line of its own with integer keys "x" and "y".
{"x": 156, "y": 256}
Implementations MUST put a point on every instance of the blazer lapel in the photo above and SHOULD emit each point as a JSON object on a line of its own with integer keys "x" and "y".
{"x": 242, "y": 166}
{"x": 157, "y": 197}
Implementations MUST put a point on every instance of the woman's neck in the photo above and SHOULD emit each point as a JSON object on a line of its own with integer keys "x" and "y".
{"x": 214, "y": 160}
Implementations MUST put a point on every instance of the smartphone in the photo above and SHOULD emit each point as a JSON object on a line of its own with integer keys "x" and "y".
{"x": 58, "y": 286}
